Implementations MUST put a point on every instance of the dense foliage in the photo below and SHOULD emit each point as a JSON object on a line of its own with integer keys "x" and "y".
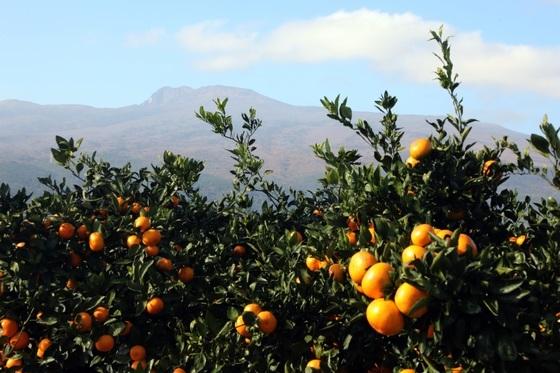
{"x": 138, "y": 270}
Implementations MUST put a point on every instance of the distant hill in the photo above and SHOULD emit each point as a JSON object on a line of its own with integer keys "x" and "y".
{"x": 140, "y": 133}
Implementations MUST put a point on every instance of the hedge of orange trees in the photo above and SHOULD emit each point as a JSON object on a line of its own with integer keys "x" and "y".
{"x": 414, "y": 263}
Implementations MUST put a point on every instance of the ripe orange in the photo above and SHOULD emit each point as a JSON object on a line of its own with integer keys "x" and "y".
{"x": 359, "y": 263}
{"x": 101, "y": 314}
{"x": 9, "y": 327}
{"x": 464, "y": 244}
{"x": 444, "y": 233}
{"x": 411, "y": 253}
{"x": 314, "y": 264}
{"x": 353, "y": 223}
{"x": 122, "y": 204}
{"x": 75, "y": 259}
{"x": 136, "y": 207}
{"x": 186, "y": 274}
{"x": 430, "y": 331}
{"x": 420, "y": 148}
{"x": 407, "y": 296}
{"x": 154, "y": 306}
{"x": 175, "y": 200}
{"x": 336, "y": 271}
{"x": 139, "y": 364}
{"x": 254, "y": 308}
{"x": 105, "y": 343}
{"x": 421, "y": 234}
{"x": 371, "y": 230}
{"x": 352, "y": 238}
{"x": 96, "y": 241}
{"x": 142, "y": 223}
{"x": 137, "y": 353}
{"x": 13, "y": 363}
{"x": 179, "y": 370}
{"x": 318, "y": 213}
{"x": 376, "y": 279}
{"x": 384, "y": 317}
{"x": 19, "y": 340}
{"x": 127, "y": 328}
{"x": 412, "y": 162}
{"x": 314, "y": 364}
{"x": 408, "y": 370}
{"x": 42, "y": 347}
{"x": 66, "y": 231}
{"x": 151, "y": 250}
{"x": 241, "y": 328}
{"x": 519, "y": 241}
{"x": 239, "y": 250}
{"x": 151, "y": 237}
{"x": 267, "y": 322}
{"x": 20, "y": 245}
{"x": 132, "y": 241}
{"x": 457, "y": 370}
{"x": 487, "y": 167}
{"x": 71, "y": 284}
{"x": 164, "y": 264}
{"x": 82, "y": 232}
{"x": 83, "y": 322}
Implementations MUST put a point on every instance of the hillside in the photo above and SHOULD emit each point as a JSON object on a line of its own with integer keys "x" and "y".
{"x": 139, "y": 133}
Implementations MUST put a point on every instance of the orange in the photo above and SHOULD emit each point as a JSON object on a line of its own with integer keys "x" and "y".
{"x": 371, "y": 230}
{"x": 411, "y": 253}
{"x": 75, "y": 259}
{"x": 151, "y": 250}
{"x": 430, "y": 331}
{"x": 444, "y": 233}
{"x": 13, "y": 363}
{"x": 142, "y": 223}
{"x": 105, "y": 343}
{"x": 519, "y": 241}
{"x": 66, "y": 231}
{"x": 71, "y": 284}
{"x": 359, "y": 263}
{"x": 154, "y": 306}
{"x": 82, "y": 232}
{"x": 241, "y": 328}
{"x": 412, "y": 162}
{"x": 353, "y": 223}
{"x": 42, "y": 347}
{"x": 487, "y": 167}
{"x": 138, "y": 364}
{"x": 407, "y": 296}
{"x": 384, "y": 317}
{"x": 83, "y": 322}
{"x": 254, "y": 308}
{"x": 96, "y": 241}
{"x": 318, "y": 213}
{"x": 164, "y": 264}
{"x": 9, "y": 327}
{"x": 132, "y": 241}
{"x": 314, "y": 364}
{"x": 136, "y": 207}
{"x": 464, "y": 244}
{"x": 101, "y": 314}
{"x": 20, "y": 245}
{"x": 420, "y": 148}
{"x": 19, "y": 340}
{"x": 421, "y": 234}
{"x": 314, "y": 264}
{"x": 127, "y": 328}
{"x": 376, "y": 279}
{"x": 457, "y": 370}
{"x": 137, "y": 353}
{"x": 336, "y": 271}
{"x": 408, "y": 370}
{"x": 186, "y": 274}
{"x": 298, "y": 236}
{"x": 239, "y": 250}
{"x": 179, "y": 370}
{"x": 175, "y": 200}
{"x": 151, "y": 237}
{"x": 267, "y": 322}
{"x": 352, "y": 238}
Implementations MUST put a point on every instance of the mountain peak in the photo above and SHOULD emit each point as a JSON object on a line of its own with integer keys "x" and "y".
{"x": 166, "y": 95}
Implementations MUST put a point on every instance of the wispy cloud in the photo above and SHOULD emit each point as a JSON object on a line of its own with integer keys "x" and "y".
{"x": 144, "y": 38}
{"x": 394, "y": 43}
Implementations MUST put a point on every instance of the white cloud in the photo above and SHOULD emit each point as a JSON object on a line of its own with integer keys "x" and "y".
{"x": 394, "y": 43}
{"x": 144, "y": 38}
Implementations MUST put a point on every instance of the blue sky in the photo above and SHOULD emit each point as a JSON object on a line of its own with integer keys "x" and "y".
{"x": 114, "y": 53}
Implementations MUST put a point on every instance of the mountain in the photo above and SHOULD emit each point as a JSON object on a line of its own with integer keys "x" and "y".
{"x": 139, "y": 133}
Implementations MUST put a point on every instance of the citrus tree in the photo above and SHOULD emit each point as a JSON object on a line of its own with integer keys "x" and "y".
{"x": 414, "y": 262}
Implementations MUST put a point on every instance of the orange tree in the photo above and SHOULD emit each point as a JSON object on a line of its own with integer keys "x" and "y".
{"x": 424, "y": 262}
